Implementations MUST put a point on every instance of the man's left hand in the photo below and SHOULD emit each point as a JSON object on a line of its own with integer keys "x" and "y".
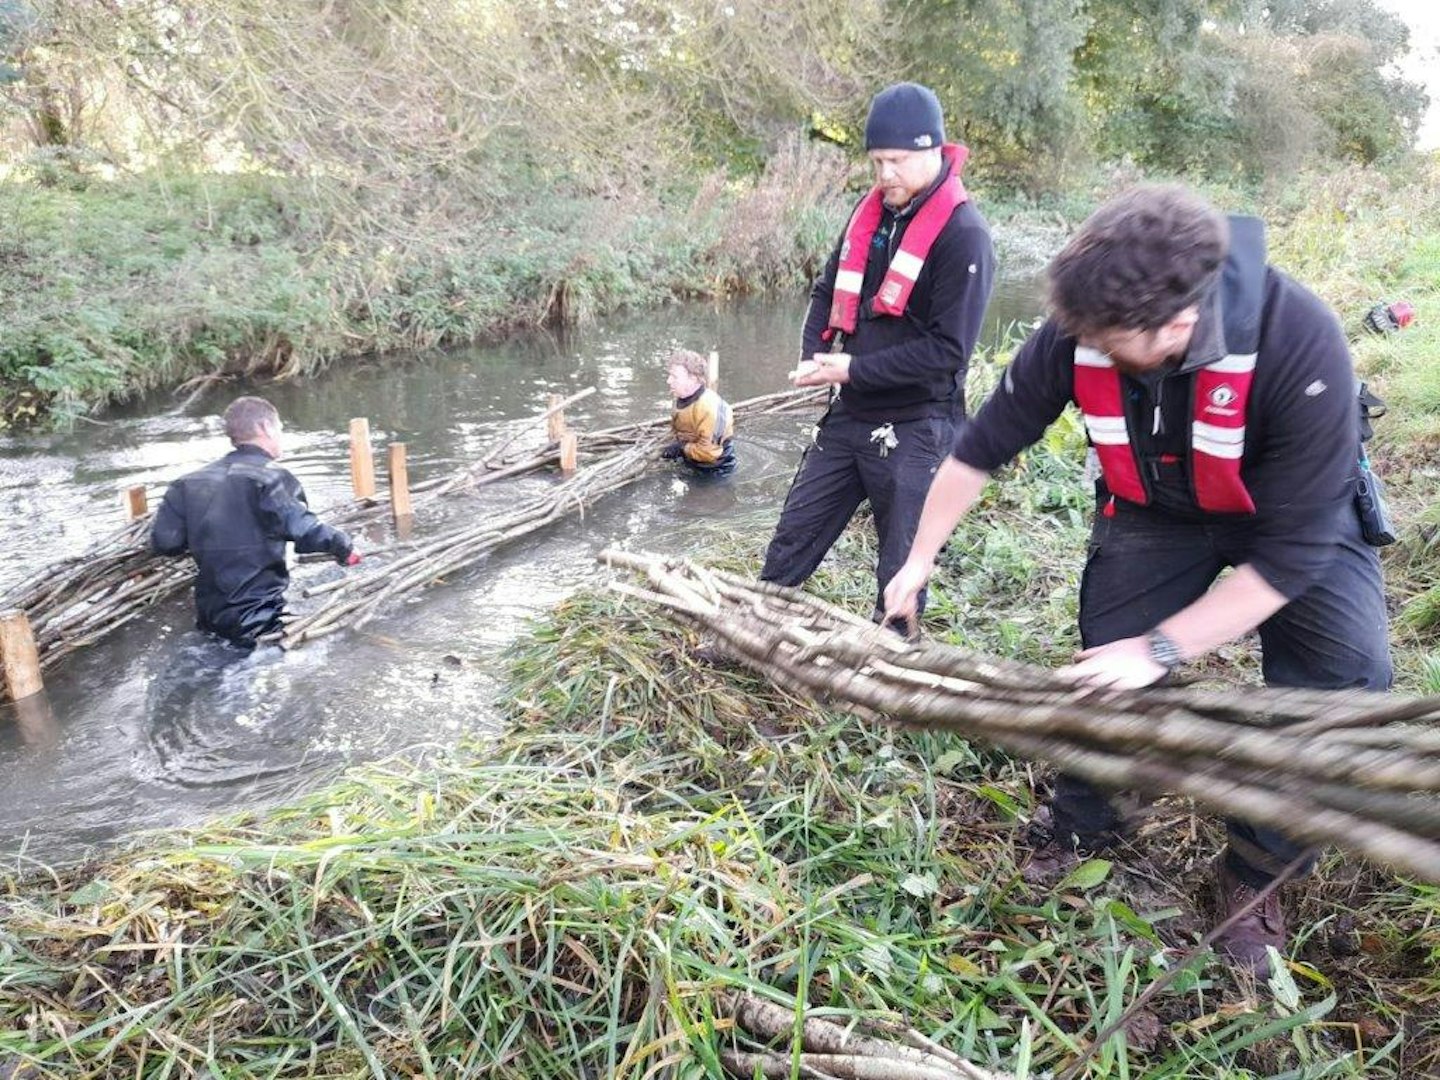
{"x": 823, "y": 369}
{"x": 1121, "y": 665}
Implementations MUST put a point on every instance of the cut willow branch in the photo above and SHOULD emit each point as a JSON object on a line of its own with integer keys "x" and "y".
{"x": 767, "y": 1021}
{"x": 359, "y": 598}
{"x": 775, "y": 1066}
{"x": 1282, "y": 758}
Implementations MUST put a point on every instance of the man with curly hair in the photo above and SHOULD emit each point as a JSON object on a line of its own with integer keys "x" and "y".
{"x": 1219, "y": 399}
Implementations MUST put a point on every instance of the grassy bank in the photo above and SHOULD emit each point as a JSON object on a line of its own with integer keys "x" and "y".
{"x": 109, "y": 289}
{"x": 650, "y": 832}
{"x": 113, "y": 288}
{"x": 572, "y": 902}
{"x": 1358, "y": 238}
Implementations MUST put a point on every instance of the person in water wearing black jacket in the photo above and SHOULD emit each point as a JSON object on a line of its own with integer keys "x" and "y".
{"x": 1220, "y": 402}
{"x": 235, "y": 516}
{"x": 891, "y": 325}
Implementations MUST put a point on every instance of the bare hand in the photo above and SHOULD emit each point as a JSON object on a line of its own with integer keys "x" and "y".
{"x": 1121, "y": 665}
{"x": 824, "y": 369}
{"x": 903, "y": 591}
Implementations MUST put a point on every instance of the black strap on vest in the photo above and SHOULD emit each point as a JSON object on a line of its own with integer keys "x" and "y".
{"x": 1242, "y": 285}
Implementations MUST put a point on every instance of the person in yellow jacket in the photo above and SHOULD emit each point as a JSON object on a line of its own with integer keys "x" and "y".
{"x": 703, "y": 426}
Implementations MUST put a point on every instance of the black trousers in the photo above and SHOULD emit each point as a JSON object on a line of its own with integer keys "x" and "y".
{"x": 242, "y": 625}
{"x": 844, "y": 467}
{"x": 1144, "y": 566}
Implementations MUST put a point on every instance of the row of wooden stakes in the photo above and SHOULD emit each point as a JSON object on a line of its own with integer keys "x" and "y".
{"x": 19, "y": 660}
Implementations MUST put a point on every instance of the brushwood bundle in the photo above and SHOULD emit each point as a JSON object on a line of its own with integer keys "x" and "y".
{"x": 1357, "y": 769}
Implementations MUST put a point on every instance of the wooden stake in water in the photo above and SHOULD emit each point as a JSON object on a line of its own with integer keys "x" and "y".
{"x": 19, "y": 662}
{"x": 555, "y": 421}
{"x": 712, "y": 370}
{"x": 400, "y": 488}
{"x": 137, "y": 505}
{"x": 569, "y": 452}
{"x": 34, "y": 720}
{"x": 362, "y": 462}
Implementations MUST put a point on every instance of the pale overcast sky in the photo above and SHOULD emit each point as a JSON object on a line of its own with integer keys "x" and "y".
{"x": 1423, "y": 63}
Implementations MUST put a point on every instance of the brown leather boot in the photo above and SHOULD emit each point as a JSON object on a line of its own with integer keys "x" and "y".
{"x": 1244, "y": 945}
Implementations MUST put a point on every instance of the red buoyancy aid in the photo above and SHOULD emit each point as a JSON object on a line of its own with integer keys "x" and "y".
{"x": 1217, "y": 429}
{"x": 905, "y": 267}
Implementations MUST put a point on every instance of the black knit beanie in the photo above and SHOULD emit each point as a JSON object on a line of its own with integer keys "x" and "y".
{"x": 905, "y": 116}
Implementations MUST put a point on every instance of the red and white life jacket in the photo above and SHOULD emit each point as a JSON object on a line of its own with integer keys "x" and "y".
{"x": 894, "y": 292}
{"x": 1217, "y": 429}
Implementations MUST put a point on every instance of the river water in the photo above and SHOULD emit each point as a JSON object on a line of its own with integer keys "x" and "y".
{"x": 158, "y": 726}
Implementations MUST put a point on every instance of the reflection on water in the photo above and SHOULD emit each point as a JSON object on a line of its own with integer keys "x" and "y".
{"x": 158, "y": 725}
{"x": 704, "y": 497}
{"x": 29, "y": 722}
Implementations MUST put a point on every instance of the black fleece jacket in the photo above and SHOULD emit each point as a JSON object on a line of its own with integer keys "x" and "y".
{"x": 913, "y": 365}
{"x": 235, "y": 516}
{"x": 1302, "y": 436}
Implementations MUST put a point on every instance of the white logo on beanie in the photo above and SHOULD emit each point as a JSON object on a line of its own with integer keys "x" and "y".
{"x": 924, "y": 142}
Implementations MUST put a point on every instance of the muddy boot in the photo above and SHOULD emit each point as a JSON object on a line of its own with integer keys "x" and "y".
{"x": 1055, "y": 853}
{"x": 1058, "y": 849}
{"x": 1245, "y": 946}
{"x": 1049, "y": 863}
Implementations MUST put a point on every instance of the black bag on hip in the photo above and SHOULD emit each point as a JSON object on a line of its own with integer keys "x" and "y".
{"x": 1376, "y": 526}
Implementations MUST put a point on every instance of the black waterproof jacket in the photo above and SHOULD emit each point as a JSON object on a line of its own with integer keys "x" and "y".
{"x": 1302, "y": 424}
{"x": 913, "y": 365}
{"x": 234, "y": 516}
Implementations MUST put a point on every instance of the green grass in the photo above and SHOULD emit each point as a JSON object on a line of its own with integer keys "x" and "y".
{"x": 143, "y": 284}
{"x": 109, "y": 289}
{"x": 650, "y": 833}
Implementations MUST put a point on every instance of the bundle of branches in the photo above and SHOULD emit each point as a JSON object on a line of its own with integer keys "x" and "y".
{"x": 513, "y": 457}
{"x": 1352, "y": 768}
{"x": 354, "y": 599}
{"x": 764, "y": 405}
{"x": 78, "y": 600}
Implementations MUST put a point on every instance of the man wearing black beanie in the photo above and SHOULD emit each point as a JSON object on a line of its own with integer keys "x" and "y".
{"x": 891, "y": 325}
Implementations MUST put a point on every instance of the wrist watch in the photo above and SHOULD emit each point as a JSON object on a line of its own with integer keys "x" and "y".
{"x": 1163, "y": 649}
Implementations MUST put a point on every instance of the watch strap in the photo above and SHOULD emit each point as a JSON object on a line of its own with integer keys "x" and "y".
{"x": 1163, "y": 649}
